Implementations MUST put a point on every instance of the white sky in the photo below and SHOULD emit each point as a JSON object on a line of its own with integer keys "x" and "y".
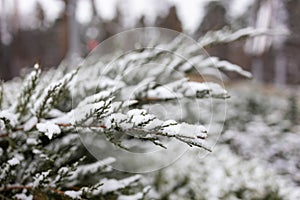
{"x": 134, "y": 9}
{"x": 190, "y": 11}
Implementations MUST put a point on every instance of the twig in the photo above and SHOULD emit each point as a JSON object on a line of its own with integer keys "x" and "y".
{"x": 3, "y": 135}
{"x": 81, "y": 126}
{"x": 19, "y": 187}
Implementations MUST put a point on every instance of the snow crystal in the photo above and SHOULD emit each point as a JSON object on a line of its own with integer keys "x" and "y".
{"x": 171, "y": 127}
{"x": 169, "y": 122}
{"x": 31, "y": 141}
{"x": 116, "y": 118}
{"x": 66, "y": 140}
{"x": 134, "y": 112}
{"x": 55, "y": 113}
{"x": 107, "y": 82}
{"x": 73, "y": 194}
{"x": 153, "y": 124}
{"x": 129, "y": 103}
{"x": 192, "y": 88}
{"x": 36, "y": 66}
{"x": 162, "y": 93}
{"x": 145, "y": 84}
{"x": 63, "y": 170}
{"x": 136, "y": 196}
{"x": 14, "y": 161}
{"x": 92, "y": 168}
{"x": 195, "y": 88}
{"x": 80, "y": 113}
{"x": 10, "y": 116}
{"x": 110, "y": 185}
{"x": 140, "y": 119}
{"x": 39, "y": 178}
{"x": 175, "y": 85}
{"x": 232, "y": 67}
{"x": 30, "y": 124}
{"x": 117, "y": 105}
{"x": 192, "y": 62}
{"x": 140, "y": 116}
{"x": 95, "y": 98}
{"x": 175, "y": 89}
{"x": 2, "y": 125}
{"x": 134, "y": 117}
{"x": 36, "y": 151}
{"x": 23, "y": 196}
{"x": 192, "y": 131}
{"x": 216, "y": 90}
{"x": 48, "y": 128}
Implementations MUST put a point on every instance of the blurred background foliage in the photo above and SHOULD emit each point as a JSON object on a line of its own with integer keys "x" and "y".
{"x": 48, "y": 31}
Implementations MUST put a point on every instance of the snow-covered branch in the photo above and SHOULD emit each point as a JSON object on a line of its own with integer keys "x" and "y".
{"x": 40, "y": 149}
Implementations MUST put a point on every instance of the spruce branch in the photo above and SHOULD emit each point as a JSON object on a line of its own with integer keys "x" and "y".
{"x": 42, "y": 150}
{"x": 52, "y": 93}
{"x": 192, "y": 54}
{"x": 27, "y": 91}
{"x": 6, "y": 122}
{"x": 226, "y": 35}
{"x": 21, "y": 187}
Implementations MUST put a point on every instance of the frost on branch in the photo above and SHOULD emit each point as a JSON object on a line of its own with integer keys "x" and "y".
{"x": 187, "y": 89}
{"x": 48, "y": 128}
{"x": 27, "y": 91}
{"x": 51, "y": 94}
{"x": 8, "y": 120}
{"x": 151, "y": 128}
{"x": 91, "y": 168}
{"x": 226, "y": 35}
{"x": 41, "y": 151}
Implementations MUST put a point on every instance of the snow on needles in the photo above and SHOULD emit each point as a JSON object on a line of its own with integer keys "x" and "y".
{"x": 106, "y": 186}
{"x": 140, "y": 117}
{"x": 49, "y": 129}
{"x": 74, "y": 194}
{"x": 30, "y": 123}
{"x": 172, "y": 128}
{"x": 14, "y": 161}
{"x": 110, "y": 185}
{"x": 6, "y": 115}
{"x": 92, "y": 168}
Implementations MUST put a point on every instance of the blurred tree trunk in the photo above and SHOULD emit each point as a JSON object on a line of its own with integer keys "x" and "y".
{"x": 73, "y": 31}
{"x": 280, "y": 68}
{"x": 16, "y": 57}
{"x": 280, "y": 19}
{"x": 5, "y": 37}
{"x": 258, "y": 69}
{"x": 94, "y": 9}
{"x": 293, "y": 42}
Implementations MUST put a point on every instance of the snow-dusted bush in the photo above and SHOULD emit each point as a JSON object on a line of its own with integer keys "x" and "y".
{"x": 257, "y": 156}
{"x": 41, "y": 116}
{"x": 270, "y": 136}
{"x": 221, "y": 175}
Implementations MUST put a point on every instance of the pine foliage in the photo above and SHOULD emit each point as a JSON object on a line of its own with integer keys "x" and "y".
{"x": 40, "y": 150}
